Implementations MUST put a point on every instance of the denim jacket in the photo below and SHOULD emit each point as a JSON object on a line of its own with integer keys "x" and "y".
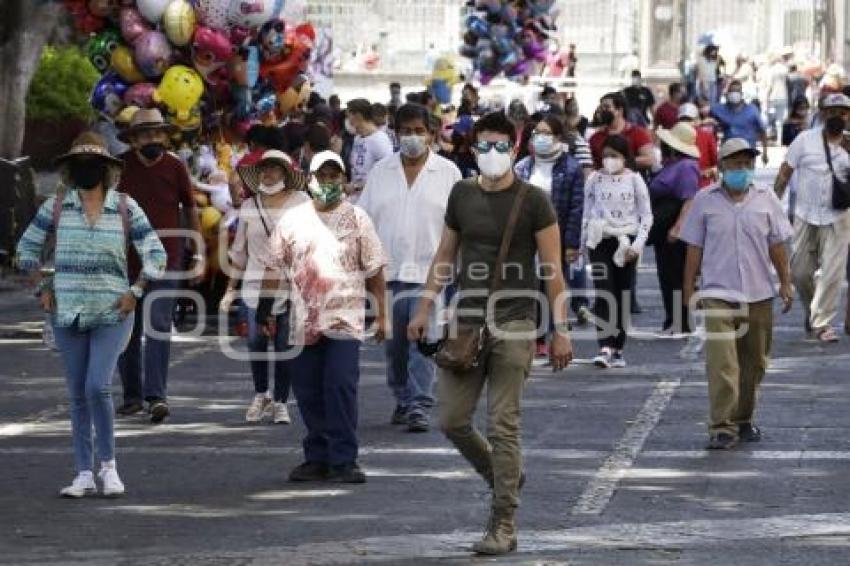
{"x": 567, "y": 195}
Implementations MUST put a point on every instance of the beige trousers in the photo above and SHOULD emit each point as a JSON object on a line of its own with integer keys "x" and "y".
{"x": 823, "y": 249}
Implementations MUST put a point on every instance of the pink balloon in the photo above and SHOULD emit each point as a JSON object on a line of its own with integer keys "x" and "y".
{"x": 132, "y": 23}
{"x": 140, "y": 94}
{"x": 213, "y": 13}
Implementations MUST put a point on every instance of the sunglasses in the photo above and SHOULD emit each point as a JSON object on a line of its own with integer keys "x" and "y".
{"x": 485, "y": 146}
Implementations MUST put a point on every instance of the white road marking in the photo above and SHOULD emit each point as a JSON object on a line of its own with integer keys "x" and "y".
{"x": 601, "y": 488}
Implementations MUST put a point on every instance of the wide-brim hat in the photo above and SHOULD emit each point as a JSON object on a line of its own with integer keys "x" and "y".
{"x": 682, "y": 137}
{"x": 293, "y": 179}
{"x": 89, "y": 144}
{"x": 146, "y": 119}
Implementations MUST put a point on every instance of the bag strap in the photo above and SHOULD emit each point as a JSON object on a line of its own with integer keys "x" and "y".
{"x": 57, "y": 209}
{"x": 828, "y": 153}
{"x": 125, "y": 214}
{"x": 260, "y": 209}
{"x": 496, "y": 282}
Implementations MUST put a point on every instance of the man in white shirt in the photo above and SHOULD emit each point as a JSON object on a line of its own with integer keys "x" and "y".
{"x": 371, "y": 144}
{"x": 406, "y": 196}
{"x": 821, "y": 232}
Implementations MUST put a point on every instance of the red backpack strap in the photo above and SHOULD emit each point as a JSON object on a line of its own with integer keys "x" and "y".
{"x": 124, "y": 210}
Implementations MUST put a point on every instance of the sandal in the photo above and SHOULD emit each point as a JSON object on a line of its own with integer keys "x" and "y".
{"x": 827, "y": 335}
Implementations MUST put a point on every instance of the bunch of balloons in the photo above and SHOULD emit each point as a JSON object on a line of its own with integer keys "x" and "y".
{"x": 202, "y": 61}
{"x": 508, "y": 36}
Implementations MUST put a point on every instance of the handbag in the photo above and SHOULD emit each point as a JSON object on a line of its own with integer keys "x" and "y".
{"x": 462, "y": 352}
{"x": 840, "y": 189}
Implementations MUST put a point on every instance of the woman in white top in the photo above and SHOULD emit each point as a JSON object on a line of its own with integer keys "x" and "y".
{"x": 615, "y": 226}
{"x": 276, "y": 187}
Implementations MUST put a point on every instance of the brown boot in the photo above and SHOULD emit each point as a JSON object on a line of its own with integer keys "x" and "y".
{"x": 500, "y": 537}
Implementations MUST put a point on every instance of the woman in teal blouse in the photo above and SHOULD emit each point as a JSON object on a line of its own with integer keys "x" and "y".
{"x": 89, "y": 297}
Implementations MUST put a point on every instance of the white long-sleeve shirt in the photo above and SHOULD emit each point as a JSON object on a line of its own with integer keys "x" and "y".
{"x": 409, "y": 219}
{"x": 622, "y": 200}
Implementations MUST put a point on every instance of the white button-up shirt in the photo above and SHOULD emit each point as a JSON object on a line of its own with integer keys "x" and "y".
{"x": 409, "y": 219}
{"x": 813, "y": 177}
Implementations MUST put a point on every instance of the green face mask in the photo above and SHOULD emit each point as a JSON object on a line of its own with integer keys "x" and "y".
{"x": 326, "y": 194}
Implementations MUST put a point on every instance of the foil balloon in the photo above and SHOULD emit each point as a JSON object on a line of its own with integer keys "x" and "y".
{"x": 141, "y": 95}
{"x": 253, "y": 13}
{"x": 211, "y": 50}
{"x": 133, "y": 25}
{"x": 152, "y": 10}
{"x": 100, "y": 47}
{"x": 179, "y": 22}
{"x": 103, "y": 8}
{"x": 213, "y": 13}
{"x": 295, "y": 96}
{"x": 272, "y": 40}
{"x": 108, "y": 93}
{"x": 300, "y": 44}
{"x": 266, "y": 103}
{"x": 180, "y": 90}
{"x": 153, "y": 54}
{"x": 245, "y": 67}
{"x": 125, "y": 65}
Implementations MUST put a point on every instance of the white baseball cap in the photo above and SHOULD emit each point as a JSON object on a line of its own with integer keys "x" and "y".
{"x": 836, "y": 100}
{"x": 737, "y": 145}
{"x": 688, "y": 110}
{"x": 323, "y": 157}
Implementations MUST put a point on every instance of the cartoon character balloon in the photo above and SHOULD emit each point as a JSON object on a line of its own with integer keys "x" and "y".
{"x": 100, "y": 47}
{"x": 211, "y": 50}
{"x": 133, "y": 25}
{"x": 180, "y": 90}
{"x": 108, "y": 93}
{"x": 253, "y": 13}
{"x": 179, "y": 22}
{"x": 299, "y": 44}
{"x": 272, "y": 39}
{"x": 125, "y": 65}
{"x": 295, "y": 96}
{"x": 153, "y": 54}
{"x": 141, "y": 95}
{"x": 152, "y": 10}
{"x": 213, "y": 13}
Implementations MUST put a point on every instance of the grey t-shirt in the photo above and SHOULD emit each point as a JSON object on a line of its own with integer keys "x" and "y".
{"x": 480, "y": 219}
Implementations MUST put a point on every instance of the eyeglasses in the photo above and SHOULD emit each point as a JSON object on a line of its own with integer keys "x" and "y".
{"x": 485, "y": 146}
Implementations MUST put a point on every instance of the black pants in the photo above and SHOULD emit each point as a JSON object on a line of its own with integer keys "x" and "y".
{"x": 670, "y": 264}
{"x": 613, "y": 286}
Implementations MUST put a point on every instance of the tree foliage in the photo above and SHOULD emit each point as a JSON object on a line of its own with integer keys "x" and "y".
{"x": 61, "y": 85}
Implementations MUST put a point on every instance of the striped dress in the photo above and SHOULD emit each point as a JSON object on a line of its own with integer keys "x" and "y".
{"x": 91, "y": 261}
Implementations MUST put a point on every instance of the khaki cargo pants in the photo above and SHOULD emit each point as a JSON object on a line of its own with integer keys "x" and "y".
{"x": 505, "y": 366}
{"x": 737, "y": 352}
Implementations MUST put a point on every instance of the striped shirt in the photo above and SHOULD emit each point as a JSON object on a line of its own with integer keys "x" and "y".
{"x": 580, "y": 149}
{"x": 91, "y": 261}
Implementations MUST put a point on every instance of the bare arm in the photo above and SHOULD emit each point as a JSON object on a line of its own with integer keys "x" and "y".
{"x": 782, "y": 179}
{"x": 377, "y": 287}
{"x": 693, "y": 261}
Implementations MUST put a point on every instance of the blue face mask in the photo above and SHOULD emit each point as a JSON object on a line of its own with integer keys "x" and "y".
{"x": 738, "y": 180}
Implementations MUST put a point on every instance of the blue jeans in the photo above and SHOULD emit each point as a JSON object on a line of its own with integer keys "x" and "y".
{"x": 258, "y": 343}
{"x": 410, "y": 375}
{"x": 90, "y": 356}
{"x": 324, "y": 379}
{"x": 157, "y": 350}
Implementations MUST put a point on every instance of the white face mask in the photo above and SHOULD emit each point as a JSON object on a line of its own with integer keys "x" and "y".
{"x": 494, "y": 165}
{"x": 412, "y": 147}
{"x": 613, "y": 165}
{"x": 734, "y": 97}
{"x": 271, "y": 189}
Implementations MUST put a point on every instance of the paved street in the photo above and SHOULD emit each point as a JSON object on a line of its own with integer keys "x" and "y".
{"x": 615, "y": 460}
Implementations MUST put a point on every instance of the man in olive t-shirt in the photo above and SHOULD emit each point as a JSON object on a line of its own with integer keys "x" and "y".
{"x": 476, "y": 218}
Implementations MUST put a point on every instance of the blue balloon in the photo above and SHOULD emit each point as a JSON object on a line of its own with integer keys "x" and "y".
{"x": 478, "y": 26}
{"x": 108, "y": 94}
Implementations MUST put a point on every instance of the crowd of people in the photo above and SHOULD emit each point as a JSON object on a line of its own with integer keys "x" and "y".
{"x": 457, "y": 234}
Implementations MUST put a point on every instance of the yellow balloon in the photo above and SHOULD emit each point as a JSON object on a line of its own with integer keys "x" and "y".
{"x": 210, "y": 217}
{"x": 123, "y": 63}
{"x": 179, "y": 22}
{"x": 180, "y": 90}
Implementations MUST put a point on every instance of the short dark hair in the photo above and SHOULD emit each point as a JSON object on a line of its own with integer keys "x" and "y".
{"x": 555, "y": 124}
{"x": 333, "y": 98}
{"x": 674, "y": 89}
{"x": 547, "y": 90}
{"x": 494, "y": 122}
{"x": 268, "y": 137}
{"x": 617, "y": 99}
{"x": 621, "y": 146}
{"x": 410, "y": 112}
{"x": 378, "y": 110}
{"x": 362, "y": 107}
{"x": 319, "y": 138}
{"x": 635, "y": 73}
{"x": 395, "y": 85}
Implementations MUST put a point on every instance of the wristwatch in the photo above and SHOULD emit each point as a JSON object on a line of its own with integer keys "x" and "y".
{"x": 563, "y": 328}
{"x": 137, "y": 291}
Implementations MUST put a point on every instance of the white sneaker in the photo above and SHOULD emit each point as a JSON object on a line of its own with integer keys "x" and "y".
{"x": 82, "y": 485}
{"x": 281, "y": 415}
{"x": 112, "y": 484}
{"x": 258, "y": 407}
{"x": 617, "y": 360}
{"x": 604, "y": 359}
